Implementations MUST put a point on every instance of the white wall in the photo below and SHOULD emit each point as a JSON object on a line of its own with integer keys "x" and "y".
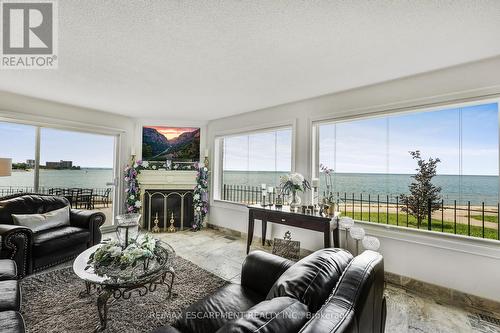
{"x": 417, "y": 255}
{"x": 35, "y": 111}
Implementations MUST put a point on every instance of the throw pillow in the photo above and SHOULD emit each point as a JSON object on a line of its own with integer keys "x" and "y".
{"x": 40, "y": 222}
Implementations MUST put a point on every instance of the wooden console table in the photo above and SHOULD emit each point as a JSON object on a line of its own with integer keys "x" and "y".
{"x": 285, "y": 217}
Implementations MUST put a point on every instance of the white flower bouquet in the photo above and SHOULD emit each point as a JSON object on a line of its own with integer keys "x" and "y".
{"x": 294, "y": 182}
{"x": 111, "y": 254}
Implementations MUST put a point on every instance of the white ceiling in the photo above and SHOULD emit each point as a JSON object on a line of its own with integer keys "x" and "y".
{"x": 208, "y": 59}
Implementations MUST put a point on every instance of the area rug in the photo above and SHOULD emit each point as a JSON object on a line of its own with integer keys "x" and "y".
{"x": 51, "y": 303}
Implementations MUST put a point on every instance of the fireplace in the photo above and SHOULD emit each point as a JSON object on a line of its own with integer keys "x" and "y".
{"x": 165, "y": 204}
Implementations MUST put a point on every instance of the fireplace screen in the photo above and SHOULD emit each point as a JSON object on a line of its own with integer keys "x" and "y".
{"x": 161, "y": 204}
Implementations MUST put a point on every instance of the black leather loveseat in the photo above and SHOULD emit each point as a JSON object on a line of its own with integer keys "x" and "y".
{"x": 328, "y": 291}
{"x": 35, "y": 251}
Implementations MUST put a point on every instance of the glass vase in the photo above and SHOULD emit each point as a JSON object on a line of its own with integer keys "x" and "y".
{"x": 295, "y": 201}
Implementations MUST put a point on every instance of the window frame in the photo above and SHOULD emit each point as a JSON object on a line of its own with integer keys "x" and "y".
{"x": 39, "y": 122}
{"x": 347, "y": 117}
{"x": 219, "y": 137}
{"x": 389, "y": 113}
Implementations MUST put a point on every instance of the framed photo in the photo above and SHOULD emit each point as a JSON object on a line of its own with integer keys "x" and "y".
{"x": 161, "y": 143}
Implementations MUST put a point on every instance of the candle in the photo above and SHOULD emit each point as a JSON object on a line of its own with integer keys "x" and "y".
{"x": 206, "y": 152}
{"x": 315, "y": 182}
{"x": 263, "y": 187}
{"x": 270, "y": 189}
{"x": 132, "y": 151}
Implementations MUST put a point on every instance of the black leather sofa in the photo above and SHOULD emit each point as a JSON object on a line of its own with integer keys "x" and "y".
{"x": 35, "y": 251}
{"x": 328, "y": 291}
{"x": 11, "y": 320}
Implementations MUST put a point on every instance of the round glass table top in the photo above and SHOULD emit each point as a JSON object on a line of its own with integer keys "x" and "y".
{"x": 162, "y": 261}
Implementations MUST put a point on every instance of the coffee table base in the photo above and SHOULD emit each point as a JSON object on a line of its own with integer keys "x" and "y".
{"x": 106, "y": 292}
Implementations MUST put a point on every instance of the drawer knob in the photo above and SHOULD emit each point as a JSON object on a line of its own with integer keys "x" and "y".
{"x": 283, "y": 220}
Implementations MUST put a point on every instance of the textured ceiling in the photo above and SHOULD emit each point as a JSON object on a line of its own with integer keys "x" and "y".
{"x": 209, "y": 59}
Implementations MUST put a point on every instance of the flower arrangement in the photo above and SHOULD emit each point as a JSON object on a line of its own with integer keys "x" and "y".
{"x": 293, "y": 183}
{"x": 200, "y": 196}
{"x": 133, "y": 202}
{"x": 111, "y": 254}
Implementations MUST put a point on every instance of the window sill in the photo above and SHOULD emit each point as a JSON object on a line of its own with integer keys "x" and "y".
{"x": 470, "y": 245}
{"x": 217, "y": 203}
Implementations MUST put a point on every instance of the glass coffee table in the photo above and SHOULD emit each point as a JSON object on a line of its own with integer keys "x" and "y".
{"x": 121, "y": 284}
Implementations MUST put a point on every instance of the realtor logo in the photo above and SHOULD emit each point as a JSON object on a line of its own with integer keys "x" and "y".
{"x": 29, "y": 34}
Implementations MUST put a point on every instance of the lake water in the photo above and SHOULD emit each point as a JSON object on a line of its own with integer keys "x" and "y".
{"x": 84, "y": 178}
{"x": 476, "y": 189}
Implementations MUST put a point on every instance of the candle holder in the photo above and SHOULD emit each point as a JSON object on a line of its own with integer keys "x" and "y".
{"x": 127, "y": 228}
{"x": 172, "y": 228}
{"x": 156, "y": 227}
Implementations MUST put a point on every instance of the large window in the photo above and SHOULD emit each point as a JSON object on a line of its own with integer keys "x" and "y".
{"x": 76, "y": 165}
{"x": 250, "y": 160}
{"x": 374, "y": 168}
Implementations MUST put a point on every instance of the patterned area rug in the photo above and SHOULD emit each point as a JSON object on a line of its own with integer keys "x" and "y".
{"x": 51, "y": 302}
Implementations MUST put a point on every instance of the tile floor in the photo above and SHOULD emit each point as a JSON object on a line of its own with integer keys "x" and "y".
{"x": 406, "y": 312}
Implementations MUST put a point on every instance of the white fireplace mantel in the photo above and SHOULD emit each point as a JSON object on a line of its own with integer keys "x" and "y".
{"x": 166, "y": 180}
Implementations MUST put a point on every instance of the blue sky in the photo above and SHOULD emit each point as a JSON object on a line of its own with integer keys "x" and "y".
{"x": 268, "y": 151}
{"x": 381, "y": 145}
{"x": 85, "y": 150}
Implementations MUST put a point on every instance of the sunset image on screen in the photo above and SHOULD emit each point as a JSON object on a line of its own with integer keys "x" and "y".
{"x": 160, "y": 143}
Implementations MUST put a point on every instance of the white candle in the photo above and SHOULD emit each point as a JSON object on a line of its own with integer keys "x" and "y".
{"x": 270, "y": 189}
{"x": 263, "y": 187}
{"x": 206, "y": 152}
{"x": 132, "y": 151}
{"x": 315, "y": 182}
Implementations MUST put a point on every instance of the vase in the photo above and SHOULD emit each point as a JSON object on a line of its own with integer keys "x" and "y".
{"x": 294, "y": 200}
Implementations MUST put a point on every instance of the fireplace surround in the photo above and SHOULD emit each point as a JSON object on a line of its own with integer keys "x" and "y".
{"x": 166, "y": 192}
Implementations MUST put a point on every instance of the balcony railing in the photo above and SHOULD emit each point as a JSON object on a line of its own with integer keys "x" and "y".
{"x": 78, "y": 197}
{"x": 467, "y": 219}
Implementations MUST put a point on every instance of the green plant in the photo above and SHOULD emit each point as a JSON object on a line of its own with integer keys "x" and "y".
{"x": 424, "y": 197}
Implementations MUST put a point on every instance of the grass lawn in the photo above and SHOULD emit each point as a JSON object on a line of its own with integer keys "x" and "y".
{"x": 436, "y": 225}
{"x": 487, "y": 218}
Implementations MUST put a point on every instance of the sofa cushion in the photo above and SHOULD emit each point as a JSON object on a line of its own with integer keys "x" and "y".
{"x": 29, "y": 204}
{"x": 10, "y": 295}
{"x": 312, "y": 279}
{"x": 357, "y": 304}
{"x": 8, "y": 270}
{"x": 57, "y": 239}
{"x": 212, "y": 312}
{"x": 11, "y": 322}
{"x": 39, "y": 222}
{"x": 280, "y": 314}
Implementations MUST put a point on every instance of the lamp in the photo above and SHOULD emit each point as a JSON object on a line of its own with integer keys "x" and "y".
{"x": 5, "y": 167}
{"x": 357, "y": 233}
{"x": 347, "y": 223}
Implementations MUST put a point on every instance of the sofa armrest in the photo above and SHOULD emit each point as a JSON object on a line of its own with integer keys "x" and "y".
{"x": 17, "y": 245}
{"x": 88, "y": 219}
{"x": 261, "y": 270}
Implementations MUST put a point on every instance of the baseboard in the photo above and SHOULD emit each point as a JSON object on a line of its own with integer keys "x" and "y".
{"x": 444, "y": 295}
